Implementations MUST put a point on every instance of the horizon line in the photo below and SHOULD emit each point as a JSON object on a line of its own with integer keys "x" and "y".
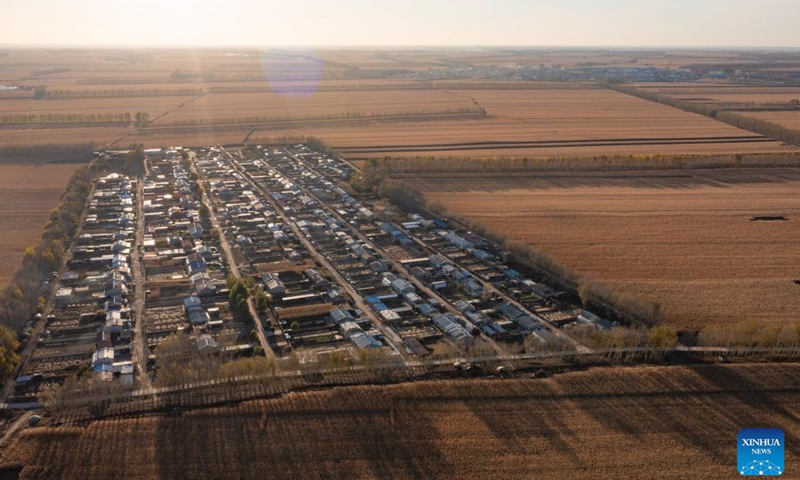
{"x": 395, "y": 46}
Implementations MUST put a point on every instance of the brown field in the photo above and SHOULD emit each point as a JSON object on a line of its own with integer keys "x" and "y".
{"x": 276, "y": 105}
{"x": 550, "y": 114}
{"x": 27, "y": 194}
{"x": 724, "y": 93}
{"x": 574, "y": 114}
{"x": 520, "y": 111}
{"x": 152, "y": 105}
{"x": 757, "y": 96}
{"x": 706, "y": 88}
{"x": 65, "y": 135}
{"x": 14, "y": 94}
{"x": 642, "y": 422}
{"x": 740, "y": 98}
{"x": 683, "y": 239}
{"x": 732, "y": 96}
{"x": 787, "y": 119}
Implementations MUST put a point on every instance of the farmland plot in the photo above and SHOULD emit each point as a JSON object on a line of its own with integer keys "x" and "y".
{"x": 27, "y": 195}
{"x": 642, "y": 422}
{"x": 552, "y": 122}
{"x": 315, "y": 105}
{"x": 778, "y": 105}
{"x": 685, "y": 239}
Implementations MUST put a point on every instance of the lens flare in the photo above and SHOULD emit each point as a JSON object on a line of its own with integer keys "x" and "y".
{"x": 292, "y": 74}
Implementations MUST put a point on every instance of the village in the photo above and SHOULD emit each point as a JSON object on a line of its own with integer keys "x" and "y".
{"x": 267, "y": 251}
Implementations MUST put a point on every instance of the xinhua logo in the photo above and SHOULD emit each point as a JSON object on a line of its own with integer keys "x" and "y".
{"x": 760, "y": 451}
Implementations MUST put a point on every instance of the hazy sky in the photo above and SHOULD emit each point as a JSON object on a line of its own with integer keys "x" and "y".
{"x": 754, "y": 23}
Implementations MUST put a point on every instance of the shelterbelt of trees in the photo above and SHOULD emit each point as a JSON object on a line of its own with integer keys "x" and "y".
{"x": 139, "y": 118}
{"x": 121, "y": 93}
{"x": 397, "y": 167}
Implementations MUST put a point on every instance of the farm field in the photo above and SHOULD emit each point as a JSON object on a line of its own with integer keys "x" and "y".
{"x": 570, "y": 115}
{"x": 683, "y": 239}
{"x": 713, "y": 90}
{"x": 101, "y": 136}
{"x": 757, "y": 98}
{"x": 601, "y": 423}
{"x": 575, "y": 114}
{"x": 152, "y": 105}
{"x": 787, "y": 119}
{"x": 766, "y": 103}
{"x": 327, "y": 93}
{"x": 27, "y": 194}
{"x": 727, "y": 95}
{"x": 314, "y": 105}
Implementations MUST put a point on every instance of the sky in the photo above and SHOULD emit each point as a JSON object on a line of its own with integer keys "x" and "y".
{"x": 335, "y": 23}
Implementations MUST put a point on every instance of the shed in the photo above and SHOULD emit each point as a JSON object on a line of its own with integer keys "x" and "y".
{"x": 340, "y": 315}
{"x": 364, "y": 341}
{"x": 192, "y": 303}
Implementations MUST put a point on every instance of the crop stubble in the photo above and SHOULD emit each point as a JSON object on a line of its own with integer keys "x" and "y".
{"x": 27, "y": 195}
{"x": 641, "y": 422}
{"x": 687, "y": 242}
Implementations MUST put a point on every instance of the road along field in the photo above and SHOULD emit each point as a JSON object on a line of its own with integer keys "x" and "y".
{"x": 642, "y": 422}
{"x": 685, "y": 239}
{"x": 27, "y": 195}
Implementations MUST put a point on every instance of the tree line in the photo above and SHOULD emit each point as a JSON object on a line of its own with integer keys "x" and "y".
{"x": 118, "y": 81}
{"x": 139, "y": 118}
{"x": 428, "y": 165}
{"x": 311, "y": 141}
{"x": 750, "y": 335}
{"x": 157, "y": 92}
{"x": 325, "y": 88}
{"x": 134, "y": 160}
{"x": 329, "y": 116}
{"x": 239, "y": 295}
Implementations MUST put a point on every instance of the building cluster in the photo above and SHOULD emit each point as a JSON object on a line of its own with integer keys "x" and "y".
{"x": 271, "y": 223}
{"x": 459, "y": 269}
{"x": 423, "y": 281}
{"x": 514, "y": 72}
{"x": 91, "y": 327}
{"x": 185, "y": 270}
{"x": 339, "y": 272}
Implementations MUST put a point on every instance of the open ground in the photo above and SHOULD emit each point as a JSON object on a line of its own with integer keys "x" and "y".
{"x": 27, "y": 195}
{"x": 779, "y": 105}
{"x": 365, "y": 103}
{"x": 685, "y": 239}
{"x": 664, "y": 421}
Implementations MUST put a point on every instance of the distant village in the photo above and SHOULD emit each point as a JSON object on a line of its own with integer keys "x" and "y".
{"x": 631, "y": 74}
